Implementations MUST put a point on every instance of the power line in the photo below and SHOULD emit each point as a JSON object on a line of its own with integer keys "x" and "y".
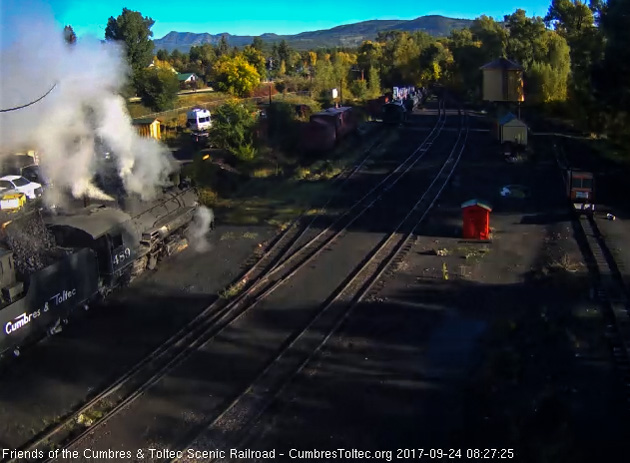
{"x": 31, "y": 103}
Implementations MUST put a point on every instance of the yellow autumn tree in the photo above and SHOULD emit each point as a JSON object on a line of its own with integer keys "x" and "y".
{"x": 312, "y": 58}
{"x": 235, "y": 75}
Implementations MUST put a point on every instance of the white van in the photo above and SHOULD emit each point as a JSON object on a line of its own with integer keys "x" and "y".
{"x": 198, "y": 120}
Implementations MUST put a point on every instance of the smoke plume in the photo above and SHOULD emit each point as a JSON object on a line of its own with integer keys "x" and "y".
{"x": 84, "y": 106}
{"x": 198, "y": 229}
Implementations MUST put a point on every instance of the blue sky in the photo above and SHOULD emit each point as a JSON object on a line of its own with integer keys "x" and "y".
{"x": 254, "y": 17}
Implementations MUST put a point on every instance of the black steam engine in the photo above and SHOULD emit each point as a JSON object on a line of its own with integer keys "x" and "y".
{"x": 51, "y": 266}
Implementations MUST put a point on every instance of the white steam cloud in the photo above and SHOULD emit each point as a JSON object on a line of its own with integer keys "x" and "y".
{"x": 198, "y": 229}
{"x": 64, "y": 126}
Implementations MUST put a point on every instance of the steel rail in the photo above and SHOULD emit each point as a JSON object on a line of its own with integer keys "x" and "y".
{"x": 209, "y": 319}
{"x": 248, "y": 406}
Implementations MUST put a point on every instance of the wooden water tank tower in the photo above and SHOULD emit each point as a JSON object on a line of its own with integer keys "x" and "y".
{"x": 503, "y": 81}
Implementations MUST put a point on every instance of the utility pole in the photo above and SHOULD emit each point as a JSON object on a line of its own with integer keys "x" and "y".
{"x": 340, "y": 92}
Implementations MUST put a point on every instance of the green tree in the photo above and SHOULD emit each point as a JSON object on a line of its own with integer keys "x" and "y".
{"x": 547, "y": 80}
{"x": 135, "y": 31}
{"x": 223, "y": 48}
{"x": 369, "y": 55}
{"x": 233, "y": 129}
{"x": 469, "y": 56}
{"x": 284, "y": 51}
{"x": 613, "y": 74}
{"x": 157, "y": 88}
{"x": 258, "y": 44}
{"x": 374, "y": 83}
{"x": 359, "y": 89}
{"x": 526, "y": 40}
{"x": 283, "y": 68}
{"x": 435, "y": 62}
{"x": 235, "y": 75}
{"x": 254, "y": 57}
{"x": 492, "y": 35}
{"x": 162, "y": 55}
{"x": 69, "y": 35}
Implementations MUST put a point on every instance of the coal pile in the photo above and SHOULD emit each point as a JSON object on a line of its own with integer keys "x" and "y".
{"x": 33, "y": 246}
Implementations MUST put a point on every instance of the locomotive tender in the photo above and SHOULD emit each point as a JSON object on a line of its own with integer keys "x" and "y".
{"x": 95, "y": 250}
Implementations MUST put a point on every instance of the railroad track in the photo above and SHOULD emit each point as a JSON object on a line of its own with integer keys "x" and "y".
{"x": 256, "y": 281}
{"x": 231, "y": 428}
{"x": 608, "y": 287}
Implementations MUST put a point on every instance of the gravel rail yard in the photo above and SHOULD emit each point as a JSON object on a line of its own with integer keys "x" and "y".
{"x": 218, "y": 344}
{"x": 505, "y": 350}
{"x": 174, "y": 350}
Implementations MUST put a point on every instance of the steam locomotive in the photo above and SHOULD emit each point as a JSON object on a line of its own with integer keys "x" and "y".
{"x": 52, "y": 265}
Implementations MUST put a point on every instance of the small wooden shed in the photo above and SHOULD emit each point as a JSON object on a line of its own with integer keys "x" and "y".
{"x": 148, "y": 127}
{"x": 503, "y": 81}
{"x": 510, "y": 129}
{"x": 476, "y": 220}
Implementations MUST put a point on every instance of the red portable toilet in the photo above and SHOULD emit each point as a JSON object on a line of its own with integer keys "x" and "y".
{"x": 476, "y": 216}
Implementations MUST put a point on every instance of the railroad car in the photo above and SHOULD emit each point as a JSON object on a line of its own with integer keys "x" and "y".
{"x": 343, "y": 120}
{"x": 327, "y": 128}
{"x": 394, "y": 113}
{"x": 581, "y": 189}
{"x": 40, "y": 283}
{"x": 86, "y": 254}
{"x": 317, "y": 136}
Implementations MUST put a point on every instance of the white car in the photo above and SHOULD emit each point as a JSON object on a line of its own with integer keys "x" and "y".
{"x": 32, "y": 190}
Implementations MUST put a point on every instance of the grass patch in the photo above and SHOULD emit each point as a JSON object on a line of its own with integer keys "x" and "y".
{"x": 228, "y": 236}
{"x": 471, "y": 252}
{"x": 232, "y": 290}
{"x": 565, "y": 264}
{"x": 89, "y": 418}
{"x": 264, "y": 172}
{"x": 250, "y": 235}
{"x": 208, "y": 197}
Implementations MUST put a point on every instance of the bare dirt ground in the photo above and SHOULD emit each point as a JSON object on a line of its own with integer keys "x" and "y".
{"x": 483, "y": 346}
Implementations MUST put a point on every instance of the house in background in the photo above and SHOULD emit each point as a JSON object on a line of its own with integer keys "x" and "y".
{"x": 188, "y": 80}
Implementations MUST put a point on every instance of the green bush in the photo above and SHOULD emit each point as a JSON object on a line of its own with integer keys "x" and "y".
{"x": 233, "y": 129}
{"x": 157, "y": 88}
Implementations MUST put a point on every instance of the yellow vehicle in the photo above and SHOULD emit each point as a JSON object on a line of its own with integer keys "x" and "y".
{"x": 12, "y": 202}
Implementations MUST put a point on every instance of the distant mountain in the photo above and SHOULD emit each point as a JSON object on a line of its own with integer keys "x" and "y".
{"x": 349, "y": 35}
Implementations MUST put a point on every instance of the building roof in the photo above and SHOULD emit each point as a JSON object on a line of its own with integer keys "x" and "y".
{"x": 504, "y": 64}
{"x": 509, "y": 117}
{"x": 145, "y": 121}
{"x": 185, "y": 76}
{"x": 477, "y": 202}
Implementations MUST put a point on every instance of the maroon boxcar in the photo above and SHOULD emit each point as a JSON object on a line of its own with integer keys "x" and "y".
{"x": 342, "y": 119}
{"x": 317, "y": 136}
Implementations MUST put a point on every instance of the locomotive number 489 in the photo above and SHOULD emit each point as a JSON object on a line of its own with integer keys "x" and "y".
{"x": 122, "y": 256}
